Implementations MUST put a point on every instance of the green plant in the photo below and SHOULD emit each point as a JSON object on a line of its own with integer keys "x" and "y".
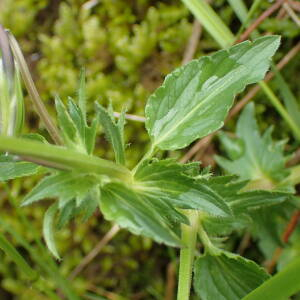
{"x": 169, "y": 202}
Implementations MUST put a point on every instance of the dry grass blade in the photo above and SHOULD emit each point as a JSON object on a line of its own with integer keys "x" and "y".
{"x": 291, "y": 13}
{"x": 87, "y": 259}
{"x": 259, "y": 20}
{"x": 171, "y": 282}
{"x": 131, "y": 117}
{"x": 192, "y": 44}
{"x": 34, "y": 95}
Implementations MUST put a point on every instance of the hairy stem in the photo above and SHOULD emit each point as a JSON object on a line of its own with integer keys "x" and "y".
{"x": 62, "y": 158}
{"x": 187, "y": 253}
{"x": 147, "y": 155}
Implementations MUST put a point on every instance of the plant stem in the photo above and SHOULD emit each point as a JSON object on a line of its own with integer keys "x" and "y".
{"x": 187, "y": 253}
{"x": 62, "y": 158}
{"x": 147, "y": 155}
{"x": 208, "y": 246}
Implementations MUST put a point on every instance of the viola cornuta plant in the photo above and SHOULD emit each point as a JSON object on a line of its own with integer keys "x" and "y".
{"x": 169, "y": 202}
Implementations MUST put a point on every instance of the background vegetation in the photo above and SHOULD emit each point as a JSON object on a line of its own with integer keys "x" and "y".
{"x": 126, "y": 47}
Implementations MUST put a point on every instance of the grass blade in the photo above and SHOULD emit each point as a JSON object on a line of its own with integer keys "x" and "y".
{"x": 281, "y": 286}
{"x": 11, "y": 251}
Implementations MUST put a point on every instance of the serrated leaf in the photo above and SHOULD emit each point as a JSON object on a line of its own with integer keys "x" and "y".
{"x": 226, "y": 276}
{"x": 243, "y": 203}
{"x": 232, "y": 191}
{"x": 66, "y": 214}
{"x": 82, "y": 95}
{"x": 90, "y": 136}
{"x": 77, "y": 117}
{"x": 10, "y": 169}
{"x": 269, "y": 224}
{"x": 234, "y": 146}
{"x": 263, "y": 160}
{"x": 67, "y": 125}
{"x": 48, "y": 229}
{"x": 90, "y": 204}
{"x": 129, "y": 210}
{"x": 63, "y": 185}
{"x": 113, "y": 132}
{"x": 255, "y": 200}
{"x": 194, "y": 100}
{"x": 169, "y": 181}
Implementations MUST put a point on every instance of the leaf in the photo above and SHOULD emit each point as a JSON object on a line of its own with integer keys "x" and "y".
{"x": 90, "y": 136}
{"x": 48, "y": 229}
{"x": 240, "y": 201}
{"x": 65, "y": 122}
{"x": 66, "y": 213}
{"x": 194, "y": 100}
{"x": 255, "y": 200}
{"x": 122, "y": 205}
{"x": 169, "y": 181}
{"x": 63, "y": 185}
{"x": 72, "y": 121}
{"x": 150, "y": 205}
{"x": 244, "y": 204}
{"x": 269, "y": 224}
{"x": 113, "y": 132}
{"x": 82, "y": 95}
{"x": 226, "y": 276}
{"x": 77, "y": 117}
{"x": 263, "y": 160}
{"x": 10, "y": 169}
{"x": 234, "y": 146}
{"x": 90, "y": 203}
{"x": 70, "y": 131}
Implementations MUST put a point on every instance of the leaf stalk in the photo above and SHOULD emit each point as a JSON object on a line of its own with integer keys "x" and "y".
{"x": 62, "y": 158}
{"x": 187, "y": 254}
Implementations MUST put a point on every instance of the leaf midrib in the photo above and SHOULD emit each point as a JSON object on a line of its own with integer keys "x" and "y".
{"x": 204, "y": 101}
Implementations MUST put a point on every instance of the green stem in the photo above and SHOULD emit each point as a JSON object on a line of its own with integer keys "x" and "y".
{"x": 187, "y": 253}
{"x": 281, "y": 286}
{"x": 148, "y": 155}
{"x": 208, "y": 246}
{"x": 62, "y": 158}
